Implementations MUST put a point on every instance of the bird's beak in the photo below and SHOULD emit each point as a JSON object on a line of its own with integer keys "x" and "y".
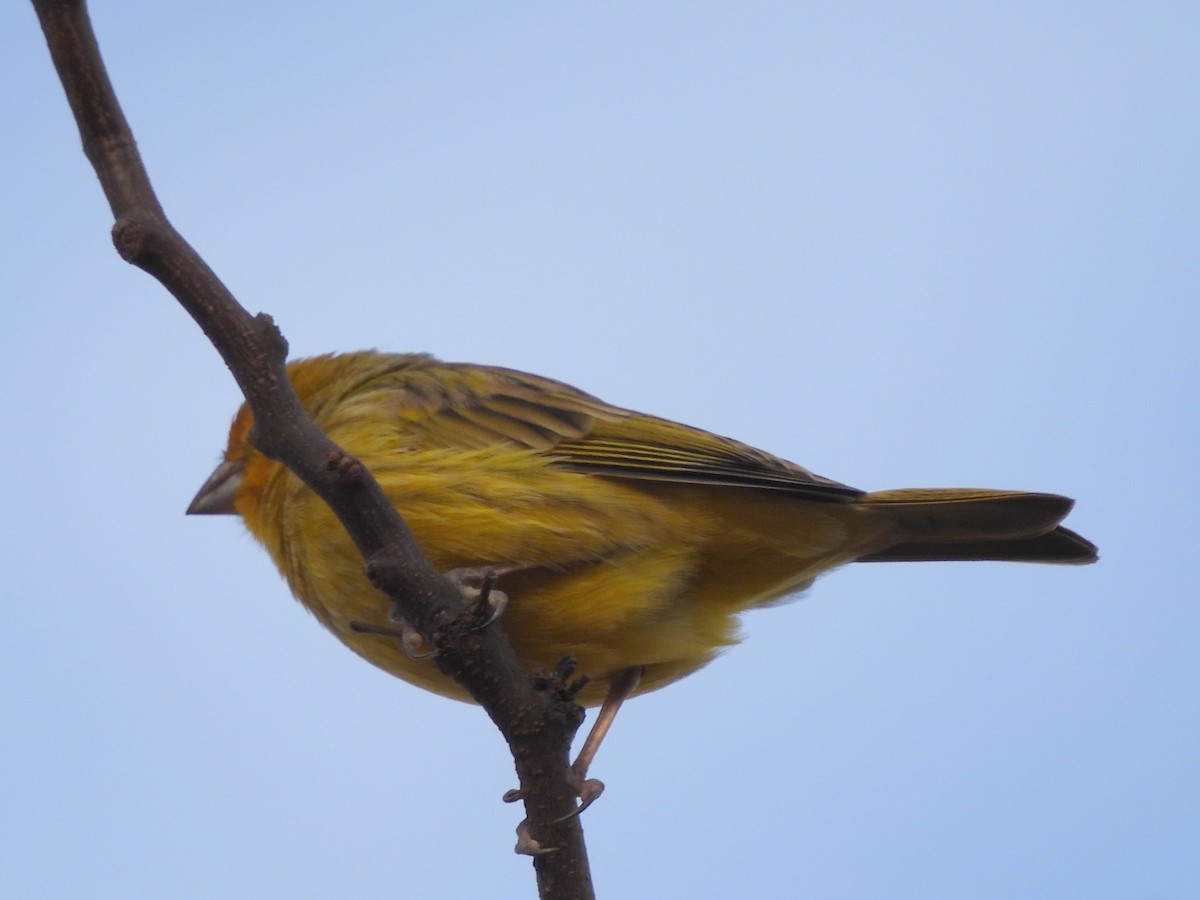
{"x": 216, "y": 495}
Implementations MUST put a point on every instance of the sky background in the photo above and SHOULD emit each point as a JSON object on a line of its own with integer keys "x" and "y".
{"x": 901, "y": 244}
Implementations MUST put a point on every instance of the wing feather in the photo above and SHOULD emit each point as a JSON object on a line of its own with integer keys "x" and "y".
{"x": 472, "y": 407}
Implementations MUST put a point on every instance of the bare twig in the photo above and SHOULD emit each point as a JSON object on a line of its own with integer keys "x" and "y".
{"x": 536, "y": 716}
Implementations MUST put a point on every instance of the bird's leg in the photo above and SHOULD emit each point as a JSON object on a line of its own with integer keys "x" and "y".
{"x": 619, "y": 688}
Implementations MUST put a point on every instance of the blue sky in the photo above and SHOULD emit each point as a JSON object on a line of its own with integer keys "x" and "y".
{"x": 901, "y": 244}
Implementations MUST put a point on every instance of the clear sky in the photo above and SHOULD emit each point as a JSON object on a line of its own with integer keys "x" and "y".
{"x": 901, "y": 244}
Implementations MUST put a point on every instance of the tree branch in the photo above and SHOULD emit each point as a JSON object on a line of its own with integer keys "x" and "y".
{"x": 535, "y": 715}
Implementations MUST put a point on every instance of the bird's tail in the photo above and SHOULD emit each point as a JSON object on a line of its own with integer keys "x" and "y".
{"x": 970, "y": 524}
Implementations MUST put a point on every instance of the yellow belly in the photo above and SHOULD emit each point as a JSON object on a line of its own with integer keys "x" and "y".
{"x": 615, "y": 573}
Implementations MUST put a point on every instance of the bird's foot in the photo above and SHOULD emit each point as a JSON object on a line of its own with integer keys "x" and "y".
{"x": 409, "y": 639}
{"x": 588, "y": 790}
{"x": 527, "y": 844}
{"x": 477, "y": 584}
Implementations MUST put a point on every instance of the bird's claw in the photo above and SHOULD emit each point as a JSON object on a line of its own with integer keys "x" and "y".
{"x": 477, "y": 584}
{"x": 413, "y": 644}
{"x": 410, "y": 640}
{"x": 527, "y": 844}
{"x": 588, "y": 791}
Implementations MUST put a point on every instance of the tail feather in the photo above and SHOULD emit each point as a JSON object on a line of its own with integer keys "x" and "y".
{"x": 973, "y": 524}
{"x": 1059, "y": 546}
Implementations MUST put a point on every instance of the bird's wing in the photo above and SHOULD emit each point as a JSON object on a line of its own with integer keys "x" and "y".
{"x": 474, "y": 407}
{"x": 646, "y": 447}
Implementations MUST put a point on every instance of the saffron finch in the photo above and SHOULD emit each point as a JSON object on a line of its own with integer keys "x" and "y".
{"x": 627, "y": 541}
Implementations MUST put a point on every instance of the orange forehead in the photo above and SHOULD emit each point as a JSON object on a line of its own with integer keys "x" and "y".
{"x": 239, "y": 433}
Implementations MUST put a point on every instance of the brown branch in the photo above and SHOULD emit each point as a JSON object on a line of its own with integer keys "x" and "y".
{"x": 535, "y": 715}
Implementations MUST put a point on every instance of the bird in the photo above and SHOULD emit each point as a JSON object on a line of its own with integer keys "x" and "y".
{"x": 625, "y": 541}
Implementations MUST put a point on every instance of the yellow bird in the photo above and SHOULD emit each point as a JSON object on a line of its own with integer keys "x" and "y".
{"x": 627, "y": 541}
